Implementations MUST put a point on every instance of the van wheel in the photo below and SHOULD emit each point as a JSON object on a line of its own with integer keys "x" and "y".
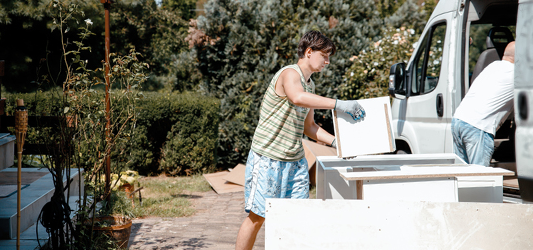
{"x": 402, "y": 152}
{"x": 402, "y": 148}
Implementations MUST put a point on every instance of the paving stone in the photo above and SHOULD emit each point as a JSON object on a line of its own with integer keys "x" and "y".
{"x": 214, "y": 226}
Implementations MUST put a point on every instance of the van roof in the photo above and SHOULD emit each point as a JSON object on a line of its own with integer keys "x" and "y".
{"x": 479, "y": 7}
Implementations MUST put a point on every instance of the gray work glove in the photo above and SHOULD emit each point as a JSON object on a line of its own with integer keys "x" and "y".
{"x": 352, "y": 107}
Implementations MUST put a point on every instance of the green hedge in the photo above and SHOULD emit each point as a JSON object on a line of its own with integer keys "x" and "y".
{"x": 174, "y": 133}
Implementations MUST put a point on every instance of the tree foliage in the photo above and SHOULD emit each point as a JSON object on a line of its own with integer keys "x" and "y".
{"x": 239, "y": 45}
{"x": 230, "y": 53}
{"x": 368, "y": 77}
{"x": 156, "y": 32}
{"x": 184, "y": 7}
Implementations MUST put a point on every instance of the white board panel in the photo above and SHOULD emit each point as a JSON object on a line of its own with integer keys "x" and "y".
{"x": 361, "y": 224}
{"x": 370, "y": 135}
{"x": 431, "y": 189}
{"x": 413, "y": 172}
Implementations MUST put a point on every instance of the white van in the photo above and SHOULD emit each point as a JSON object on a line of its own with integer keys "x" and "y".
{"x": 459, "y": 40}
{"x": 523, "y": 101}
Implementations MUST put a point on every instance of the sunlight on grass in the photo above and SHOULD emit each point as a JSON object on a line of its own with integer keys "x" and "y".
{"x": 169, "y": 196}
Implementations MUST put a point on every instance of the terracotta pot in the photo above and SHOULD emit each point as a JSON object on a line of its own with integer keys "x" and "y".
{"x": 119, "y": 230}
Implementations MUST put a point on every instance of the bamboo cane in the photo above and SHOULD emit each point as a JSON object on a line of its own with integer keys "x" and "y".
{"x": 21, "y": 126}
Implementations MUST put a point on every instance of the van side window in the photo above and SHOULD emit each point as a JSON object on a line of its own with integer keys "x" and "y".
{"x": 428, "y": 62}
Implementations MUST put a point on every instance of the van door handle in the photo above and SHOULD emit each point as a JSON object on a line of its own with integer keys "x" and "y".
{"x": 440, "y": 105}
{"x": 522, "y": 106}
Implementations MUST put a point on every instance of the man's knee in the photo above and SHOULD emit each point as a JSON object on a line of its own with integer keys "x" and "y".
{"x": 256, "y": 219}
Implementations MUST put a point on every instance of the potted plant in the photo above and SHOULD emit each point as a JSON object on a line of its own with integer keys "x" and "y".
{"x": 93, "y": 137}
{"x": 113, "y": 222}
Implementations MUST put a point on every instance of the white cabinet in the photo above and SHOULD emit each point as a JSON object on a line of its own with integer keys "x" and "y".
{"x": 418, "y": 177}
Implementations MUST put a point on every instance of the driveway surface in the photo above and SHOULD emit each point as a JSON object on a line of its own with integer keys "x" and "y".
{"x": 214, "y": 226}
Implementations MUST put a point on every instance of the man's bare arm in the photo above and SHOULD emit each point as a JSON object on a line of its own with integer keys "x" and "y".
{"x": 293, "y": 89}
{"x": 289, "y": 84}
{"x": 315, "y": 132}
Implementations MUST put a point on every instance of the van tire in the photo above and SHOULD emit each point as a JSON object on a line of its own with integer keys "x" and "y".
{"x": 402, "y": 148}
{"x": 402, "y": 152}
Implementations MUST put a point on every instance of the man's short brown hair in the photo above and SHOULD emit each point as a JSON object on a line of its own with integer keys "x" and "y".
{"x": 317, "y": 42}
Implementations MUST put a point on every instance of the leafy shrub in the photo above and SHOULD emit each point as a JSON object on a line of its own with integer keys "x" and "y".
{"x": 40, "y": 103}
{"x": 368, "y": 77}
{"x": 173, "y": 134}
{"x": 37, "y": 103}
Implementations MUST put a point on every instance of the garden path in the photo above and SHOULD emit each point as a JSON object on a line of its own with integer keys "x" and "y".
{"x": 214, "y": 226}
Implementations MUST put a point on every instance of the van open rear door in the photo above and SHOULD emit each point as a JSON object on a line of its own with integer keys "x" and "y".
{"x": 523, "y": 100}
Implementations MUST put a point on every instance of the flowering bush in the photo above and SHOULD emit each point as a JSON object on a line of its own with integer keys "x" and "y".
{"x": 368, "y": 76}
{"x": 125, "y": 177}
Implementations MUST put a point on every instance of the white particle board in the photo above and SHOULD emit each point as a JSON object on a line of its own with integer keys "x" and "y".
{"x": 370, "y": 135}
{"x": 379, "y": 174}
{"x": 423, "y": 183}
{"x": 413, "y": 172}
{"x": 330, "y": 185}
{"x": 365, "y": 224}
{"x": 441, "y": 189}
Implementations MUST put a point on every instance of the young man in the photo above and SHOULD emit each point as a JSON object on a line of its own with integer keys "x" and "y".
{"x": 276, "y": 165}
{"x": 488, "y": 101}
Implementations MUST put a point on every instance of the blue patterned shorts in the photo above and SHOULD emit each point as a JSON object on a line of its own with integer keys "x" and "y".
{"x": 267, "y": 178}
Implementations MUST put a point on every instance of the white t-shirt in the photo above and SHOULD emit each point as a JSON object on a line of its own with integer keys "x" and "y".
{"x": 490, "y": 97}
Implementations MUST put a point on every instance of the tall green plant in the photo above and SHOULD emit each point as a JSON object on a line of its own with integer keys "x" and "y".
{"x": 88, "y": 132}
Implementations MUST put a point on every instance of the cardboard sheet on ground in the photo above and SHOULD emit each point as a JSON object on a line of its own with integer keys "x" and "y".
{"x": 312, "y": 150}
{"x": 371, "y": 135}
{"x": 216, "y": 180}
{"x": 236, "y": 176}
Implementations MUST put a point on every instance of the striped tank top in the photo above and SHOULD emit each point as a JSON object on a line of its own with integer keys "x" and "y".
{"x": 281, "y": 123}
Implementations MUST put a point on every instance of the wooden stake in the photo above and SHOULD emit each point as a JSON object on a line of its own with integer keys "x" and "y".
{"x": 107, "y": 7}
{"x": 21, "y": 127}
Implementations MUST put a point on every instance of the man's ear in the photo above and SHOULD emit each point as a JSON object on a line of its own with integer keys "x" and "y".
{"x": 308, "y": 52}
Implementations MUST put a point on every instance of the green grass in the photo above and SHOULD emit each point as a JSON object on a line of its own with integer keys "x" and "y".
{"x": 168, "y": 196}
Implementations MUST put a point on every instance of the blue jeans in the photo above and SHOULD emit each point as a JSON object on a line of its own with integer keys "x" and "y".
{"x": 471, "y": 144}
